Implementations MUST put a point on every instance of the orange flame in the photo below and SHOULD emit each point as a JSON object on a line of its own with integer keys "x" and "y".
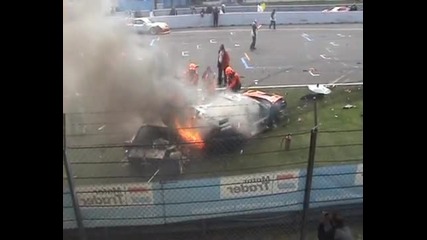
{"x": 190, "y": 134}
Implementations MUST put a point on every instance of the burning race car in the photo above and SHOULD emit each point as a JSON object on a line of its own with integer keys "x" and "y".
{"x": 223, "y": 124}
{"x": 145, "y": 25}
{"x": 156, "y": 147}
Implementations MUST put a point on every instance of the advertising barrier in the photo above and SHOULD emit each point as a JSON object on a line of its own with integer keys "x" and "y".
{"x": 156, "y": 203}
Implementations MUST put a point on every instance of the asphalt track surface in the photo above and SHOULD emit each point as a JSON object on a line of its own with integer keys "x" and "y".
{"x": 283, "y": 57}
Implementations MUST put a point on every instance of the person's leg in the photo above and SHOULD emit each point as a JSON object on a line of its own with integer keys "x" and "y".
{"x": 220, "y": 76}
{"x": 225, "y": 77}
{"x": 274, "y": 25}
{"x": 253, "y": 43}
{"x": 254, "y": 40}
{"x": 271, "y": 23}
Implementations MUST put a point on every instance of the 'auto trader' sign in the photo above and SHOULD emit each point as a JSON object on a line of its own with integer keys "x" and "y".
{"x": 115, "y": 195}
{"x": 259, "y": 184}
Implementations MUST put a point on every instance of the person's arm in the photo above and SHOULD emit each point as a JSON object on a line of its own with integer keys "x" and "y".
{"x": 234, "y": 81}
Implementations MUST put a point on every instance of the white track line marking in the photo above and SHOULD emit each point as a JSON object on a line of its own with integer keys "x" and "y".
{"x": 336, "y": 80}
{"x": 185, "y": 53}
{"x": 323, "y": 56}
{"x": 198, "y": 46}
{"x": 212, "y": 41}
{"x": 247, "y": 57}
{"x": 334, "y": 44}
{"x": 305, "y": 35}
{"x": 329, "y": 50}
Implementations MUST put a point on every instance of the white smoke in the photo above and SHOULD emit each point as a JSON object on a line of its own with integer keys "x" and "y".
{"x": 107, "y": 69}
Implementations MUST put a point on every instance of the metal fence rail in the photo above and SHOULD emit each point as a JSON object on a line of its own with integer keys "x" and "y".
{"x": 278, "y": 190}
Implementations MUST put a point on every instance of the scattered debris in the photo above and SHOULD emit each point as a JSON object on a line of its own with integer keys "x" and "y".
{"x": 332, "y": 109}
{"x": 336, "y": 116}
{"x": 299, "y": 119}
{"x": 241, "y": 151}
{"x": 349, "y": 106}
{"x": 101, "y": 128}
{"x": 347, "y": 90}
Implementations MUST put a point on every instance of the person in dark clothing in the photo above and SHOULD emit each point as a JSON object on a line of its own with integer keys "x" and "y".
{"x": 325, "y": 230}
{"x": 273, "y": 19}
{"x": 215, "y": 16}
{"x": 254, "y": 29}
{"x": 341, "y": 230}
{"x": 223, "y": 63}
{"x": 173, "y": 12}
{"x": 202, "y": 12}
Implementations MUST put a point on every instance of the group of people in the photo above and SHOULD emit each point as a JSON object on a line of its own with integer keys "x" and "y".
{"x": 332, "y": 227}
{"x": 227, "y": 76}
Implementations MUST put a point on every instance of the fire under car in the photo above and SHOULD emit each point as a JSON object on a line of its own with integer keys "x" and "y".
{"x": 221, "y": 125}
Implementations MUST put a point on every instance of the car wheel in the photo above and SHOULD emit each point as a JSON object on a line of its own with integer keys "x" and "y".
{"x": 153, "y": 30}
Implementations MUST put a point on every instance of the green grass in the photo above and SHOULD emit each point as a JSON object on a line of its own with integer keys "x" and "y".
{"x": 339, "y": 141}
{"x": 340, "y": 137}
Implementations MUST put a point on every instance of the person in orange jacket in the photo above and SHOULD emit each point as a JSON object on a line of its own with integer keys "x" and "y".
{"x": 233, "y": 82}
{"x": 192, "y": 74}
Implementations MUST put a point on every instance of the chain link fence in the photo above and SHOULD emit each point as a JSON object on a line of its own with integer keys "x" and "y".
{"x": 269, "y": 186}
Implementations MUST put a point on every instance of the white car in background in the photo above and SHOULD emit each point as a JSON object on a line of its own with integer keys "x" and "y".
{"x": 341, "y": 9}
{"x": 145, "y": 25}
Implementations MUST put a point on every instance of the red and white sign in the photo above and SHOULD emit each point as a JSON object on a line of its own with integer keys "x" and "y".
{"x": 259, "y": 184}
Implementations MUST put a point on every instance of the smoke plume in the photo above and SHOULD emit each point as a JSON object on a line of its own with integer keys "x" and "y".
{"x": 108, "y": 69}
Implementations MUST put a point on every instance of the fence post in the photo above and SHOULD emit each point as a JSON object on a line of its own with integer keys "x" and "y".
{"x": 76, "y": 207}
{"x": 309, "y": 179}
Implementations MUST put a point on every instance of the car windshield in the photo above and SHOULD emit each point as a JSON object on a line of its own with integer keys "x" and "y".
{"x": 141, "y": 21}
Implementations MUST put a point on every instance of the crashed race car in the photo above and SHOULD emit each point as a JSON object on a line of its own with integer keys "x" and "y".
{"x": 156, "y": 147}
{"x": 222, "y": 124}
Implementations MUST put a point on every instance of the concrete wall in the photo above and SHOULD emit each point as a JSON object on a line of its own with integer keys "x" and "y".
{"x": 245, "y": 19}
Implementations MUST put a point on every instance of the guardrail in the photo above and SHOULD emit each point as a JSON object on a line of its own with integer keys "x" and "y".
{"x": 245, "y": 19}
{"x": 240, "y": 9}
{"x": 236, "y": 9}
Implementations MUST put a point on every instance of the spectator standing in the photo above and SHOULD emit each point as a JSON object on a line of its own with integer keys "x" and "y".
{"x": 215, "y": 16}
{"x": 325, "y": 230}
{"x": 342, "y": 231}
{"x": 254, "y": 30}
{"x": 273, "y": 19}
{"x": 223, "y": 63}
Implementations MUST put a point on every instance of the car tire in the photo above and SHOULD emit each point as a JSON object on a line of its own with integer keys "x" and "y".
{"x": 154, "y": 30}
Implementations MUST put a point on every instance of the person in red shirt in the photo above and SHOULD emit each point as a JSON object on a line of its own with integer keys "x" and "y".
{"x": 223, "y": 63}
{"x": 192, "y": 75}
{"x": 233, "y": 80}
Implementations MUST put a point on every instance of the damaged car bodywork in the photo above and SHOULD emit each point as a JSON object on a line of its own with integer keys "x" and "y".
{"x": 156, "y": 147}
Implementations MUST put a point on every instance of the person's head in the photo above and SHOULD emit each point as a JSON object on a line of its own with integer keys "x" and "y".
{"x": 326, "y": 216}
{"x": 274, "y": 10}
{"x": 192, "y": 68}
{"x": 337, "y": 220}
{"x": 222, "y": 48}
{"x": 229, "y": 72}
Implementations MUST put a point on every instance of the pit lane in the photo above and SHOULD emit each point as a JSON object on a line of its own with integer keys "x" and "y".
{"x": 288, "y": 55}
